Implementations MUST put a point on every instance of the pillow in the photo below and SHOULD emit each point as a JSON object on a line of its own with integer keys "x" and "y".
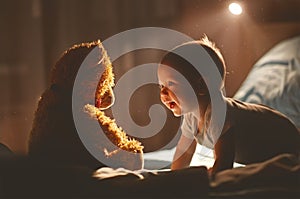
{"x": 275, "y": 80}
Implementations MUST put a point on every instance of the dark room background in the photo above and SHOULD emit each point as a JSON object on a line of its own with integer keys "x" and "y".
{"x": 34, "y": 33}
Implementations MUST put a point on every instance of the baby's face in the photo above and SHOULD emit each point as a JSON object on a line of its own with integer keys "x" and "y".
{"x": 176, "y": 93}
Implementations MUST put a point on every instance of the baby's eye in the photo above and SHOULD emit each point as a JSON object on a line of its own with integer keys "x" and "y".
{"x": 170, "y": 83}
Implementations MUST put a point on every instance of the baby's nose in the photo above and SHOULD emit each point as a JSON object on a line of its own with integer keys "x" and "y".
{"x": 164, "y": 94}
{"x": 164, "y": 91}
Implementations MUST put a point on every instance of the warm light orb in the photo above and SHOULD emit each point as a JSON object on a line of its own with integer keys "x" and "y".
{"x": 235, "y": 8}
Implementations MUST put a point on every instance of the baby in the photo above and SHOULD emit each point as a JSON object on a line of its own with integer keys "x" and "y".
{"x": 251, "y": 133}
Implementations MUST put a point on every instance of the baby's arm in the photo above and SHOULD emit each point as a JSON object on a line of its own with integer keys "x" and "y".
{"x": 224, "y": 152}
{"x": 184, "y": 152}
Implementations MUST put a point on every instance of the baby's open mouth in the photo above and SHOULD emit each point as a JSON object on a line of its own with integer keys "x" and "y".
{"x": 172, "y": 105}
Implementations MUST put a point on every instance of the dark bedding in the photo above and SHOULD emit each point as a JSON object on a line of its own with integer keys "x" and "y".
{"x": 277, "y": 177}
{"x": 23, "y": 178}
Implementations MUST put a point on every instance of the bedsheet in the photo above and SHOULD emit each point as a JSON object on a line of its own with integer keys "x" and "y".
{"x": 162, "y": 159}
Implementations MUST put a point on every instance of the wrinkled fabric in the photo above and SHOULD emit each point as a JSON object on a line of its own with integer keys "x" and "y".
{"x": 277, "y": 177}
{"x": 275, "y": 80}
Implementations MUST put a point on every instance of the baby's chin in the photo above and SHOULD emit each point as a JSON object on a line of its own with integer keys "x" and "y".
{"x": 177, "y": 112}
{"x": 177, "y": 115}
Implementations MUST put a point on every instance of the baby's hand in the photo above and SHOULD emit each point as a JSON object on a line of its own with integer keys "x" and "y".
{"x": 211, "y": 171}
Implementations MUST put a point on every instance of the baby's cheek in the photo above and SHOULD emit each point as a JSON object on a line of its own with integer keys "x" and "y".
{"x": 162, "y": 100}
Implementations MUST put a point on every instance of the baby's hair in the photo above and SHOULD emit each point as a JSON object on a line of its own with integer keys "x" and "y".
{"x": 213, "y": 51}
{"x": 185, "y": 68}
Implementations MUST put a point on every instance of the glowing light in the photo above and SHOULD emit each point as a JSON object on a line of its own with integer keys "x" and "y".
{"x": 235, "y": 8}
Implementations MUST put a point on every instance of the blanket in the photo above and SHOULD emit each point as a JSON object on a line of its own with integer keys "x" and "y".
{"x": 21, "y": 177}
